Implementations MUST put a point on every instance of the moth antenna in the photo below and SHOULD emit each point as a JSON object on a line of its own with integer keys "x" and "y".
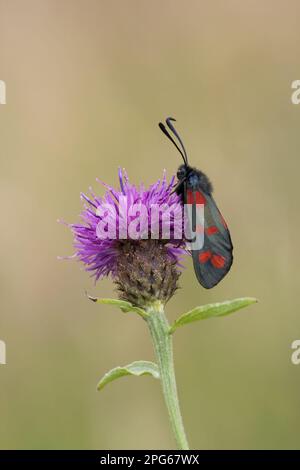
{"x": 164, "y": 130}
{"x": 170, "y": 125}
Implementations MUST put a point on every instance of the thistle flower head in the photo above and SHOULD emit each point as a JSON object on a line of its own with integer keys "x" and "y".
{"x": 120, "y": 234}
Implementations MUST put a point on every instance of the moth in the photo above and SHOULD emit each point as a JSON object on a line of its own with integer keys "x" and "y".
{"x": 214, "y": 259}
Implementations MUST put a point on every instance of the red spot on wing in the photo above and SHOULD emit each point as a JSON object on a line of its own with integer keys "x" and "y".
{"x": 204, "y": 256}
{"x": 195, "y": 196}
{"x": 189, "y": 197}
{"x": 211, "y": 230}
{"x": 218, "y": 261}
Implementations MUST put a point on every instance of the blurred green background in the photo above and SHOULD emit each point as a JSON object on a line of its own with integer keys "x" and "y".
{"x": 87, "y": 82}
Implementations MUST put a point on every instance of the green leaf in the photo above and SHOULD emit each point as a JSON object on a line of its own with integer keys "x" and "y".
{"x": 219, "y": 309}
{"x": 135, "y": 368}
{"x": 122, "y": 304}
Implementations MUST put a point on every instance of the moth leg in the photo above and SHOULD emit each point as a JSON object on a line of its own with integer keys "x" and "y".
{"x": 177, "y": 187}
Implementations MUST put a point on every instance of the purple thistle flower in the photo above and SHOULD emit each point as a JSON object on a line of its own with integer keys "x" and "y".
{"x": 155, "y": 261}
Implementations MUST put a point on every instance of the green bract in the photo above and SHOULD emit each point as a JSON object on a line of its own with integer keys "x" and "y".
{"x": 218, "y": 309}
{"x": 136, "y": 368}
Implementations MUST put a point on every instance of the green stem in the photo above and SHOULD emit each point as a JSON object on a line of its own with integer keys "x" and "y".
{"x": 162, "y": 341}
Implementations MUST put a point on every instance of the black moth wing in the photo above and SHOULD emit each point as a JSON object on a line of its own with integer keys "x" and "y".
{"x": 213, "y": 261}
